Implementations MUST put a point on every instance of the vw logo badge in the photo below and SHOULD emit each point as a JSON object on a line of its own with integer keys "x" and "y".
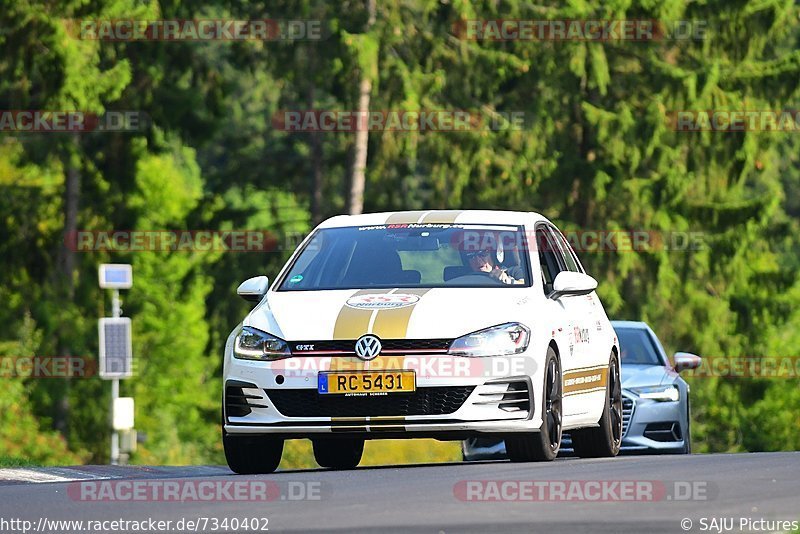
{"x": 368, "y": 347}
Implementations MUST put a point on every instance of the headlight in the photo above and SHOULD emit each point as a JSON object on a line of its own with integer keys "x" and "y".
{"x": 252, "y": 344}
{"x": 502, "y": 340}
{"x": 659, "y": 393}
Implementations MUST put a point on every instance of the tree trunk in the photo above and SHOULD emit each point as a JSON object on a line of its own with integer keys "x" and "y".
{"x": 316, "y": 168}
{"x": 359, "y": 168}
{"x": 72, "y": 194}
{"x": 316, "y": 199}
{"x": 355, "y": 200}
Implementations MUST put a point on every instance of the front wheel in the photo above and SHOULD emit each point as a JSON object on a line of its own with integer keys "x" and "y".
{"x": 605, "y": 440}
{"x": 338, "y": 453}
{"x": 542, "y": 445}
{"x": 252, "y": 455}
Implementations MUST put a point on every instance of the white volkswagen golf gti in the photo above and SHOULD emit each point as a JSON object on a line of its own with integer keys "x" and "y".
{"x": 437, "y": 324}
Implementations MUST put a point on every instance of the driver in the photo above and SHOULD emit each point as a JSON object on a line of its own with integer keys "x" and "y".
{"x": 481, "y": 261}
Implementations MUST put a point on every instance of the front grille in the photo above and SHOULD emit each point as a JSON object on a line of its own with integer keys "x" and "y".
{"x": 416, "y": 344}
{"x": 424, "y": 401}
{"x": 627, "y": 413}
{"x": 347, "y": 346}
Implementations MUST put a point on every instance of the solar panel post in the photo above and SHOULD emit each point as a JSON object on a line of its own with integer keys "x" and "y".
{"x": 115, "y": 354}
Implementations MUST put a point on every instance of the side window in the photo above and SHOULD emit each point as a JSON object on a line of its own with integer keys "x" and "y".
{"x": 548, "y": 258}
{"x": 577, "y": 261}
{"x": 566, "y": 252}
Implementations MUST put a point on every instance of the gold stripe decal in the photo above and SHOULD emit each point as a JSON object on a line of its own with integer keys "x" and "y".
{"x": 442, "y": 217}
{"x": 584, "y": 381}
{"x": 406, "y": 217}
{"x": 393, "y": 323}
{"x": 352, "y": 323}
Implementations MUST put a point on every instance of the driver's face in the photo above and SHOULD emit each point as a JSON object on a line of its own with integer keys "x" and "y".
{"x": 481, "y": 262}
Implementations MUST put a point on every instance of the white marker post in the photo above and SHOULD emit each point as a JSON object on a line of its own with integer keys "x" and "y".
{"x": 116, "y": 355}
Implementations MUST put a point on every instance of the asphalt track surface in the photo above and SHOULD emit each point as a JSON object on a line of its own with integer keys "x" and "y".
{"x": 672, "y": 490}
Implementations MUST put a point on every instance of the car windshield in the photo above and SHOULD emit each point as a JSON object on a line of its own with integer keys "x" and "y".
{"x": 637, "y": 347}
{"x": 411, "y": 255}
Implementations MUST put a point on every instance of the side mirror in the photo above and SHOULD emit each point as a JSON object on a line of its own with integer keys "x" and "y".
{"x": 570, "y": 283}
{"x": 253, "y": 289}
{"x": 686, "y": 360}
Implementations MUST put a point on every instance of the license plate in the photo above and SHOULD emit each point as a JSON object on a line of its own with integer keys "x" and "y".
{"x": 369, "y": 382}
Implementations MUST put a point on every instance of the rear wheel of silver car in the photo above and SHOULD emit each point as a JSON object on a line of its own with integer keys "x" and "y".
{"x": 340, "y": 453}
{"x": 605, "y": 440}
{"x": 542, "y": 445}
{"x": 252, "y": 455}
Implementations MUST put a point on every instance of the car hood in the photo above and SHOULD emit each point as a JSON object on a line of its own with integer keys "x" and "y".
{"x": 635, "y": 375}
{"x": 389, "y": 314}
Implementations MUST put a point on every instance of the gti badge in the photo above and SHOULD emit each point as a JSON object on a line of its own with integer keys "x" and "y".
{"x": 368, "y": 347}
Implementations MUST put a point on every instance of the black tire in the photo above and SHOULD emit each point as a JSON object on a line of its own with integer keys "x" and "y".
{"x": 543, "y": 446}
{"x": 338, "y": 453}
{"x": 252, "y": 455}
{"x": 604, "y": 441}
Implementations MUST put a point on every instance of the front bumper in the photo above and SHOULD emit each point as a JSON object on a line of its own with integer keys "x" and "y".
{"x": 375, "y": 429}
{"x": 274, "y": 399}
{"x": 656, "y": 427}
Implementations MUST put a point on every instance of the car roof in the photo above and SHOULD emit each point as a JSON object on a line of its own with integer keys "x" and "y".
{"x": 433, "y": 217}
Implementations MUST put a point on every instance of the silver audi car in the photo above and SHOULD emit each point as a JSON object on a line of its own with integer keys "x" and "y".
{"x": 655, "y": 399}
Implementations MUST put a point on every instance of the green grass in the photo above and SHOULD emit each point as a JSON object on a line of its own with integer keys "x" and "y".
{"x": 297, "y": 454}
{"x": 410, "y": 451}
{"x": 11, "y": 461}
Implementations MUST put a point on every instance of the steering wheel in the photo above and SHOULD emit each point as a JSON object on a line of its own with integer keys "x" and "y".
{"x": 475, "y": 278}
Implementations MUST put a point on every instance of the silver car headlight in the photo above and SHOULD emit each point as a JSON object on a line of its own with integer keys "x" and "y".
{"x": 501, "y": 340}
{"x": 252, "y": 344}
{"x": 659, "y": 393}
